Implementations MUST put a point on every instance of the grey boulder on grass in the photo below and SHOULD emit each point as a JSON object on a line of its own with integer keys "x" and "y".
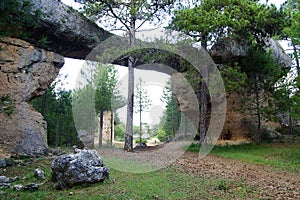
{"x": 83, "y": 167}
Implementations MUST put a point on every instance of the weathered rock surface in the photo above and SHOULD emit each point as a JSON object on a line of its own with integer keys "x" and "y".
{"x": 85, "y": 139}
{"x": 68, "y": 32}
{"x": 85, "y": 166}
{"x": 228, "y": 50}
{"x": 25, "y": 73}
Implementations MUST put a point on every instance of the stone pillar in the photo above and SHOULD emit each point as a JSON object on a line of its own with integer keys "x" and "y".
{"x": 25, "y": 73}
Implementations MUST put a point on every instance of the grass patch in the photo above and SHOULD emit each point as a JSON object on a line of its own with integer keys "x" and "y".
{"x": 169, "y": 183}
{"x": 280, "y": 157}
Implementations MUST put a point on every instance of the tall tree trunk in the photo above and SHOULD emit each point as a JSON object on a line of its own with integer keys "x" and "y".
{"x": 203, "y": 112}
{"x": 296, "y": 58}
{"x": 100, "y": 128}
{"x": 140, "y": 124}
{"x": 258, "y": 111}
{"x": 111, "y": 127}
{"x": 202, "y": 129}
{"x": 128, "y": 146}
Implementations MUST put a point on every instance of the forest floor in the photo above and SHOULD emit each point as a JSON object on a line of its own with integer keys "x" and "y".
{"x": 175, "y": 173}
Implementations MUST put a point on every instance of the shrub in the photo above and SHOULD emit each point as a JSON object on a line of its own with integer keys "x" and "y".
{"x": 161, "y": 135}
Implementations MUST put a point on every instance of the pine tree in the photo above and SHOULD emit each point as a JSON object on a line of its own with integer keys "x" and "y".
{"x": 142, "y": 102}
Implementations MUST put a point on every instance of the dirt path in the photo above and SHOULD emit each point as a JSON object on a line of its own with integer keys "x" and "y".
{"x": 270, "y": 183}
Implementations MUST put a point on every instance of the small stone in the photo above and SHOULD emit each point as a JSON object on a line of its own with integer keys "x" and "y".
{"x": 18, "y": 187}
{"x": 5, "y": 185}
{"x": 14, "y": 179}
{"x": 39, "y": 173}
{"x": 31, "y": 187}
{"x": 2, "y": 162}
{"x": 4, "y": 179}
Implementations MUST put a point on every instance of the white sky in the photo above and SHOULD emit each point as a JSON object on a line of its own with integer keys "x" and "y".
{"x": 155, "y": 82}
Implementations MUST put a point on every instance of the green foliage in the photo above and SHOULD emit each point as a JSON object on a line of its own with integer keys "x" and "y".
{"x": 107, "y": 12}
{"x": 15, "y": 15}
{"x": 170, "y": 121}
{"x": 234, "y": 79}
{"x": 214, "y": 19}
{"x": 161, "y": 135}
{"x": 120, "y": 132}
{"x": 6, "y": 105}
{"x": 57, "y": 111}
{"x": 84, "y": 114}
{"x": 142, "y": 101}
{"x": 106, "y": 83}
{"x": 143, "y": 141}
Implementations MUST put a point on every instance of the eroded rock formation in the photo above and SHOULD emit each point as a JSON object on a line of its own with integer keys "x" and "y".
{"x": 63, "y": 30}
{"x": 25, "y": 73}
{"x": 237, "y": 124}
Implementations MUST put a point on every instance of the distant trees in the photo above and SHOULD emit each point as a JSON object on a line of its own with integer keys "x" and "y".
{"x": 100, "y": 89}
{"x": 106, "y": 83}
{"x": 142, "y": 102}
{"x": 170, "y": 121}
{"x": 56, "y": 108}
{"x": 128, "y": 16}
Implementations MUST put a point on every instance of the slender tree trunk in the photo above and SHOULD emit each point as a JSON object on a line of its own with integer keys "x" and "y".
{"x": 140, "y": 126}
{"x": 203, "y": 112}
{"x": 100, "y": 128}
{"x": 111, "y": 127}
{"x": 296, "y": 58}
{"x": 128, "y": 146}
{"x": 258, "y": 111}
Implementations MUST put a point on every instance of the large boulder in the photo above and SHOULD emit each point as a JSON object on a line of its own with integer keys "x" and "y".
{"x": 25, "y": 73}
{"x": 83, "y": 167}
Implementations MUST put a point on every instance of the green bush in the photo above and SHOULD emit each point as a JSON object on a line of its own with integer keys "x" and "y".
{"x": 120, "y": 132}
{"x": 161, "y": 135}
{"x": 143, "y": 141}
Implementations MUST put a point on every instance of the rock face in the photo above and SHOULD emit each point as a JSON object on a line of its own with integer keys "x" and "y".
{"x": 85, "y": 166}
{"x": 25, "y": 73}
{"x": 85, "y": 139}
{"x": 228, "y": 50}
{"x": 68, "y": 32}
